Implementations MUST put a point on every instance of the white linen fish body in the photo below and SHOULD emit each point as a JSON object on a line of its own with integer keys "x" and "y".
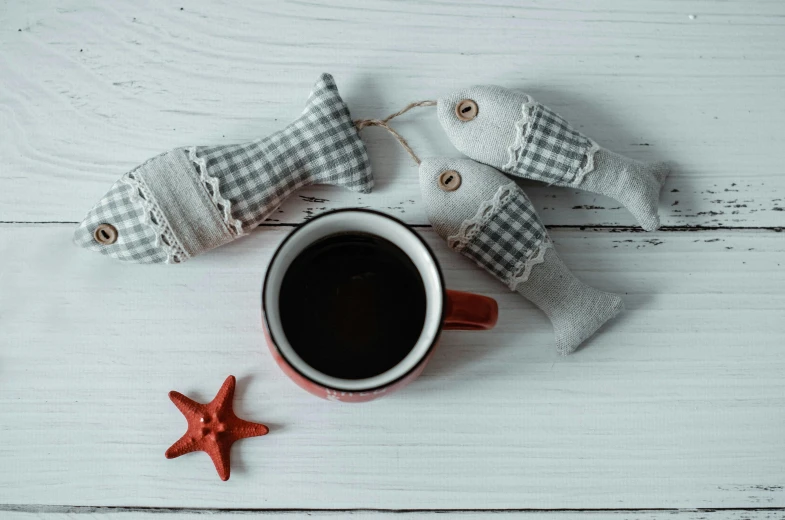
{"x": 509, "y": 130}
{"x": 488, "y": 218}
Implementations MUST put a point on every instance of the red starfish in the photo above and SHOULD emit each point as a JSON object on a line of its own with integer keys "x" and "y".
{"x": 212, "y": 427}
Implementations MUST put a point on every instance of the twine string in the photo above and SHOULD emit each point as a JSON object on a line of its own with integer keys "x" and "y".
{"x": 384, "y": 123}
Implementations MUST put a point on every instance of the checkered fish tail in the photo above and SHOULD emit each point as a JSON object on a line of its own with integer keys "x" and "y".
{"x": 189, "y": 200}
{"x": 322, "y": 146}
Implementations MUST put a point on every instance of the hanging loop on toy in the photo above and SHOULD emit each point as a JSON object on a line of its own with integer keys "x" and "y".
{"x": 384, "y": 123}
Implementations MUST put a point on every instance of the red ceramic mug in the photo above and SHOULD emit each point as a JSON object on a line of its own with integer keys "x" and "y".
{"x": 444, "y": 309}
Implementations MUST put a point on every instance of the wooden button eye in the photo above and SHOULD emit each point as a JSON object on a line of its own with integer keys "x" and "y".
{"x": 449, "y": 180}
{"x": 105, "y": 234}
{"x": 466, "y": 110}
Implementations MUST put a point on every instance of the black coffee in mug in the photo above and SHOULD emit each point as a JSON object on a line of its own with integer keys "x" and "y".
{"x": 352, "y": 305}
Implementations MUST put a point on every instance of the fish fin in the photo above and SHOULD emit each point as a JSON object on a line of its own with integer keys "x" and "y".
{"x": 635, "y": 184}
{"x": 589, "y": 310}
{"x": 643, "y": 200}
{"x": 336, "y": 145}
{"x": 575, "y": 309}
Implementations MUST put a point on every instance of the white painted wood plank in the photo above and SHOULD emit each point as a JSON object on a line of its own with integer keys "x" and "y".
{"x": 88, "y": 90}
{"x": 678, "y": 403}
{"x": 371, "y": 515}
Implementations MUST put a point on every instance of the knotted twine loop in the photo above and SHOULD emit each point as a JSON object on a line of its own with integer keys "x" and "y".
{"x": 362, "y": 123}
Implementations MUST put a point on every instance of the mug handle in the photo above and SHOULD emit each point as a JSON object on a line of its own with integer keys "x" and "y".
{"x": 468, "y": 311}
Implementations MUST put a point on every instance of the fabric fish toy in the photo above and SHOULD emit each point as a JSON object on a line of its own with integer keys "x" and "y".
{"x": 189, "y": 200}
{"x": 486, "y": 217}
{"x": 510, "y": 131}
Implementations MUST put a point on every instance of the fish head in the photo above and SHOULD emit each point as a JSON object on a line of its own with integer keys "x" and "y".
{"x": 487, "y": 130}
{"x": 133, "y": 234}
{"x": 453, "y": 190}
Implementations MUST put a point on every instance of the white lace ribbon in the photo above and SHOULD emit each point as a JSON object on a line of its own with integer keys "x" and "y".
{"x": 224, "y": 205}
{"x": 522, "y": 130}
{"x": 154, "y": 218}
{"x": 524, "y": 268}
{"x": 487, "y": 210}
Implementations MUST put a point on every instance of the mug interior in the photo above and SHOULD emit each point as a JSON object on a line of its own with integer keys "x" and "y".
{"x": 358, "y": 221}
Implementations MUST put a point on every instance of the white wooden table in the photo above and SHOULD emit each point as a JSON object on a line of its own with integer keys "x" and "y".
{"x": 677, "y": 407}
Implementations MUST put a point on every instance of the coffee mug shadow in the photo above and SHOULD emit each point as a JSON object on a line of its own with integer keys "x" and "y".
{"x": 461, "y": 352}
{"x": 469, "y": 354}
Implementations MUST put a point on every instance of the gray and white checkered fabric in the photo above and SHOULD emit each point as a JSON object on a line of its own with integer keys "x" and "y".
{"x": 552, "y": 151}
{"x": 321, "y": 147}
{"x": 136, "y": 239}
{"x": 514, "y": 234}
{"x": 153, "y": 220}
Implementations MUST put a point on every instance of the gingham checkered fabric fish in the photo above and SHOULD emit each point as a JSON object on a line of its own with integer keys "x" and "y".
{"x": 506, "y": 238}
{"x": 189, "y": 200}
{"x": 512, "y": 132}
{"x": 490, "y": 220}
{"x": 549, "y": 149}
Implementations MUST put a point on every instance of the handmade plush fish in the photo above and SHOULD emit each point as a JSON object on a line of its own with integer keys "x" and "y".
{"x": 188, "y": 200}
{"x": 510, "y": 131}
{"x": 485, "y": 216}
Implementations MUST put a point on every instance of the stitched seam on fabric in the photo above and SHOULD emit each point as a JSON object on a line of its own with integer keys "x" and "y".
{"x": 522, "y": 130}
{"x": 520, "y": 274}
{"x": 487, "y": 210}
{"x": 589, "y": 166}
{"x": 222, "y": 204}
{"x": 154, "y": 218}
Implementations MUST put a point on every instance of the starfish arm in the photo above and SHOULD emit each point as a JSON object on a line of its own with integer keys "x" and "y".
{"x": 242, "y": 429}
{"x": 219, "y": 452}
{"x": 213, "y": 427}
{"x": 223, "y": 399}
{"x": 185, "y": 404}
{"x": 183, "y": 445}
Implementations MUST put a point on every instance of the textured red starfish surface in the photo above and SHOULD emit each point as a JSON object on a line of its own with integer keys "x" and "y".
{"x": 212, "y": 427}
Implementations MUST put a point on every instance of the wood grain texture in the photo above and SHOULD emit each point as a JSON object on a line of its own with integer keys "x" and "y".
{"x": 131, "y": 514}
{"x": 89, "y": 90}
{"x": 678, "y": 403}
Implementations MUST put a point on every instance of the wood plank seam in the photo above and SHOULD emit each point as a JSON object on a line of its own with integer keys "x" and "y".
{"x": 70, "y": 509}
{"x": 568, "y": 227}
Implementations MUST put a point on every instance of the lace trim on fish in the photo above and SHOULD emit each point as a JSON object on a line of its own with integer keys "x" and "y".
{"x": 587, "y": 164}
{"x": 485, "y": 212}
{"x": 212, "y": 185}
{"x": 154, "y": 218}
{"x": 522, "y": 131}
{"x": 524, "y": 268}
